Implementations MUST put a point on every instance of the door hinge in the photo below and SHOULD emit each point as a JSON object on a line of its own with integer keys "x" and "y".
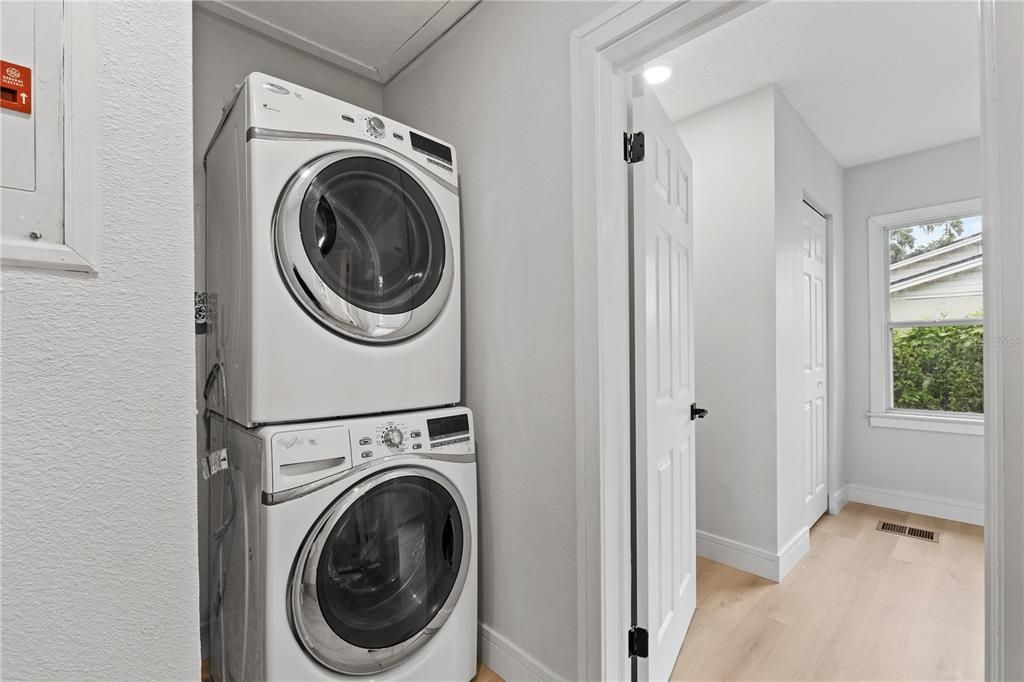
{"x": 633, "y": 147}
{"x": 638, "y": 642}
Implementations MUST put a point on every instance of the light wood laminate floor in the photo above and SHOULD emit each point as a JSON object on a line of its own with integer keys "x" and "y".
{"x": 861, "y": 605}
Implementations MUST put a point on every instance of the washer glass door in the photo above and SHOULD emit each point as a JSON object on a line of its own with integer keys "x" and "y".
{"x": 381, "y": 572}
{"x": 364, "y": 247}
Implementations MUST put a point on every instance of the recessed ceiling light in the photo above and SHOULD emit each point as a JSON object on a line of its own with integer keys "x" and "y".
{"x": 658, "y": 74}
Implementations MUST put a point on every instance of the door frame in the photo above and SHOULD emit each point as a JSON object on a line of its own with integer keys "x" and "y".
{"x": 601, "y": 52}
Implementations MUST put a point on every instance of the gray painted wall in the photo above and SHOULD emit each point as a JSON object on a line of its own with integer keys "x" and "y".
{"x": 99, "y": 500}
{"x": 224, "y": 54}
{"x": 754, "y": 159}
{"x": 938, "y": 464}
{"x": 733, "y": 152}
{"x": 497, "y": 87}
{"x": 803, "y": 168}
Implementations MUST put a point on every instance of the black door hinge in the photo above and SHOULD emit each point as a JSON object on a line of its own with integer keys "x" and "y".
{"x": 633, "y": 147}
{"x": 697, "y": 412}
{"x": 637, "y": 642}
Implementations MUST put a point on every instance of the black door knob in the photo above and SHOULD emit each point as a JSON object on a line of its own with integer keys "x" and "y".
{"x": 697, "y": 412}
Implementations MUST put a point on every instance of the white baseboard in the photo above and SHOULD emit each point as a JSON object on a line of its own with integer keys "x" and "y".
{"x": 915, "y": 503}
{"x": 793, "y": 551}
{"x": 509, "y": 661}
{"x": 754, "y": 559}
{"x": 838, "y": 500}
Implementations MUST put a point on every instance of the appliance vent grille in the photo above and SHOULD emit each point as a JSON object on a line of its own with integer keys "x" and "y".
{"x": 907, "y": 531}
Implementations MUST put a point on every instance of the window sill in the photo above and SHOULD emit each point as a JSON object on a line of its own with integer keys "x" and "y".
{"x": 972, "y": 426}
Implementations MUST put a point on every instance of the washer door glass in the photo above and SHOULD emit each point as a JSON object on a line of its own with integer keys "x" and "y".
{"x": 387, "y": 566}
{"x": 373, "y": 235}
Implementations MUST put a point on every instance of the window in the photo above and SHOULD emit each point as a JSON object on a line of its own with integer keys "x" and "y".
{"x": 928, "y": 318}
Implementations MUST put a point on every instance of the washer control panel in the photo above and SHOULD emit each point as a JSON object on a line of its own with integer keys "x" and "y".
{"x": 433, "y": 432}
{"x": 303, "y": 454}
{"x": 375, "y": 126}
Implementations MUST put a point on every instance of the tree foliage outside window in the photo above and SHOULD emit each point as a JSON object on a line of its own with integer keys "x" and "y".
{"x": 903, "y": 242}
{"x": 938, "y": 368}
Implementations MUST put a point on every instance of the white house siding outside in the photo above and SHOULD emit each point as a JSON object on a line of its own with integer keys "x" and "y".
{"x": 940, "y": 284}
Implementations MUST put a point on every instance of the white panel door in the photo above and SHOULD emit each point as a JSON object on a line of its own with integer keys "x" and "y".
{"x": 815, "y": 366}
{"x": 663, "y": 283}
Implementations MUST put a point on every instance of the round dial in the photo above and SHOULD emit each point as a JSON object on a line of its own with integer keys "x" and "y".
{"x": 393, "y": 437}
{"x": 375, "y": 126}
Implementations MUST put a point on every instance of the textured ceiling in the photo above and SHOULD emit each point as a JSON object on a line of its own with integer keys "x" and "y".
{"x": 374, "y": 39}
{"x": 872, "y": 79}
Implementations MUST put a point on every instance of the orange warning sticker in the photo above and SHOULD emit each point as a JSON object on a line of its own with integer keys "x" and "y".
{"x": 16, "y": 87}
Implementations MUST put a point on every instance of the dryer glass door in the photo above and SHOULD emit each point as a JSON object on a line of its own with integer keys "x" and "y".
{"x": 364, "y": 247}
{"x": 384, "y": 571}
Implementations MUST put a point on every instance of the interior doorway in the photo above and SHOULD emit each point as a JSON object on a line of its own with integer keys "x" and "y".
{"x": 608, "y": 54}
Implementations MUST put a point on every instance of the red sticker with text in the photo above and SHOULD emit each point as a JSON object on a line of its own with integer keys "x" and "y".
{"x": 16, "y": 87}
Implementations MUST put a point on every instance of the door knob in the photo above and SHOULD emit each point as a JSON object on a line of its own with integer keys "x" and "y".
{"x": 697, "y": 412}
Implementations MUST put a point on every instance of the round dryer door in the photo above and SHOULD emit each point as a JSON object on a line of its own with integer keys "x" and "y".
{"x": 363, "y": 247}
{"x": 381, "y": 571}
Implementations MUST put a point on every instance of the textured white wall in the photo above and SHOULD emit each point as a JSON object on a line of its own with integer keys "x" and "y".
{"x": 803, "y": 168}
{"x": 224, "y": 53}
{"x": 99, "y": 497}
{"x": 497, "y": 87}
{"x": 936, "y": 464}
{"x": 733, "y": 149}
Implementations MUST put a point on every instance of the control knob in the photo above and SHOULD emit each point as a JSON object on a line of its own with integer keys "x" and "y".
{"x": 393, "y": 437}
{"x": 375, "y": 126}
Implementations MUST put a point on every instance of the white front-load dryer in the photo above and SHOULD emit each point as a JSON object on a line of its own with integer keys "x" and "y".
{"x": 346, "y": 550}
{"x": 332, "y": 259}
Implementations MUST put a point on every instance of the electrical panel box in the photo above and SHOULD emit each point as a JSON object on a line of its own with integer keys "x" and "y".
{"x": 31, "y": 121}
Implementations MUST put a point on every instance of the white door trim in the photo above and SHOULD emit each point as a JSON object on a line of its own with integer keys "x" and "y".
{"x": 601, "y": 52}
{"x": 603, "y": 49}
{"x": 1003, "y": 163}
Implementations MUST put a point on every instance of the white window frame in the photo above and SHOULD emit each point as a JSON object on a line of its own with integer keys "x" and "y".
{"x": 79, "y": 251}
{"x": 882, "y": 413}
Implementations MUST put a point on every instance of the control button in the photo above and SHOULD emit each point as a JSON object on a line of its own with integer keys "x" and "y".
{"x": 415, "y": 434}
{"x": 453, "y": 441}
{"x": 275, "y": 88}
{"x": 365, "y": 441}
{"x": 417, "y": 446}
{"x": 375, "y": 126}
{"x": 367, "y": 454}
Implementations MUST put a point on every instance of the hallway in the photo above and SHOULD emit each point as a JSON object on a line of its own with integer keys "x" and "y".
{"x": 862, "y": 604}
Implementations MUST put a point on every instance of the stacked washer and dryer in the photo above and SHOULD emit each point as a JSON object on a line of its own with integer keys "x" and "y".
{"x": 343, "y": 530}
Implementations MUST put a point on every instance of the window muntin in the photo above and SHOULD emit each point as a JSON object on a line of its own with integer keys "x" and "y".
{"x": 935, "y": 315}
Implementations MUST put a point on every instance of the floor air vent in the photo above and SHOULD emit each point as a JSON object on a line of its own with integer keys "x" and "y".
{"x": 908, "y": 531}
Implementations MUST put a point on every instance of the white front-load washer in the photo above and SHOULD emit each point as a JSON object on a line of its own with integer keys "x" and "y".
{"x": 346, "y": 550}
{"x": 332, "y": 259}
